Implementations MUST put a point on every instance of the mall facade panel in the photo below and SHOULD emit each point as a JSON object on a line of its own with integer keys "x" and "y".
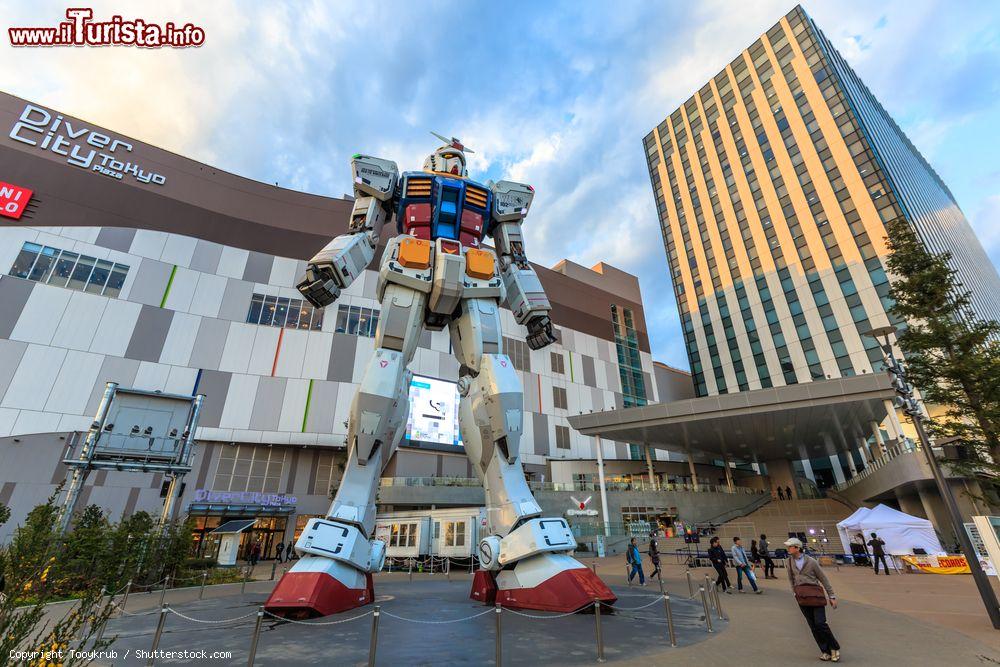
{"x": 134, "y": 265}
{"x": 774, "y": 184}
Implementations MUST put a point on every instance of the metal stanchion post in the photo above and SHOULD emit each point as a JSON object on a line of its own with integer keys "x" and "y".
{"x": 472, "y": 560}
{"x": 411, "y": 569}
{"x": 128, "y": 589}
{"x": 373, "y": 644}
{"x": 690, "y": 585}
{"x": 597, "y": 625}
{"x": 447, "y": 568}
{"x": 718, "y": 605}
{"x": 256, "y": 636}
{"x": 156, "y": 637}
{"x": 704, "y": 603}
{"x": 628, "y": 571}
{"x": 246, "y": 575}
{"x": 274, "y": 568}
{"x": 670, "y": 619}
{"x": 163, "y": 591}
{"x": 659, "y": 580}
{"x": 499, "y": 642}
{"x": 711, "y": 592}
{"x": 204, "y": 580}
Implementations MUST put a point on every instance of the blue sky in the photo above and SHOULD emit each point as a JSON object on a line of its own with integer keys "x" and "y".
{"x": 556, "y": 94}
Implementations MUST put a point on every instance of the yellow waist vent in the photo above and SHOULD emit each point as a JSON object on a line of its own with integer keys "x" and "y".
{"x": 479, "y": 264}
{"x": 415, "y": 253}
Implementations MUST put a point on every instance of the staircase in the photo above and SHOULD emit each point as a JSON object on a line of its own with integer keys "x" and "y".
{"x": 817, "y": 518}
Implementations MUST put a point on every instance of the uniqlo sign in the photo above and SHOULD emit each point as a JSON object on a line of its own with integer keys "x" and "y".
{"x": 13, "y": 200}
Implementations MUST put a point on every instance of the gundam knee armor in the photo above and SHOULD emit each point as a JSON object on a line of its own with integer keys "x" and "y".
{"x": 434, "y": 273}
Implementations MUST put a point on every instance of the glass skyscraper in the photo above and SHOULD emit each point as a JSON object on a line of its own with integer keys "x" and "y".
{"x": 774, "y": 184}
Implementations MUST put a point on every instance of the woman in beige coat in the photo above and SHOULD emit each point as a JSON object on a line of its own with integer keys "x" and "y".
{"x": 812, "y": 588}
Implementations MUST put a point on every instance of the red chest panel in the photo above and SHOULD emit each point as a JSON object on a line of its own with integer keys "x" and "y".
{"x": 417, "y": 223}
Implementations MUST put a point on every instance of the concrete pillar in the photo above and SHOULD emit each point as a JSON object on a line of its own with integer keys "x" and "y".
{"x": 879, "y": 440}
{"x": 866, "y": 450}
{"x": 838, "y": 469}
{"x": 729, "y": 473}
{"x": 892, "y": 422}
{"x": 602, "y": 485}
{"x": 780, "y": 473}
{"x": 851, "y": 466}
{"x": 936, "y": 513}
{"x": 911, "y": 504}
{"x": 807, "y": 469}
{"x": 649, "y": 467}
{"x": 694, "y": 473}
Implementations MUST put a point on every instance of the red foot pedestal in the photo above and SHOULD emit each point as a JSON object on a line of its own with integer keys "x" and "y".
{"x": 314, "y": 594}
{"x": 566, "y": 591}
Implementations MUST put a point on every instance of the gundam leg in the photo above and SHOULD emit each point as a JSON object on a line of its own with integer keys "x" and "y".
{"x": 338, "y": 553}
{"x": 525, "y": 557}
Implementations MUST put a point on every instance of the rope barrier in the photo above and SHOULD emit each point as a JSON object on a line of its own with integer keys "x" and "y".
{"x": 454, "y": 620}
{"x": 545, "y": 618}
{"x": 343, "y": 620}
{"x": 655, "y": 601}
{"x": 207, "y": 622}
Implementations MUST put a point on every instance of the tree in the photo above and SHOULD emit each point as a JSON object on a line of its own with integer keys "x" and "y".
{"x": 952, "y": 356}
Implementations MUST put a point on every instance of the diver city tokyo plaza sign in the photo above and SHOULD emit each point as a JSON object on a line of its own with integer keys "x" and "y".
{"x": 82, "y": 146}
{"x": 244, "y": 498}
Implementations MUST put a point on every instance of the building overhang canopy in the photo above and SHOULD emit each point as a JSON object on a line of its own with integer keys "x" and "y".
{"x": 796, "y": 421}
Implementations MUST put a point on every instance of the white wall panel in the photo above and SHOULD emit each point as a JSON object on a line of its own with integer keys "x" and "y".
{"x": 283, "y": 272}
{"x": 293, "y": 405}
{"x": 180, "y": 339}
{"x": 12, "y": 239}
{"x": 8, "y": 416}
{"x": 32, "y": 382}
{"x": 210, "y": 291}
{"x": 262, "y": 354}
{"x": 69, "y": 423}
{"x": 75, "y": 381}
{"x": 239, "y": 344}
{"x": 80, "y": 320}
{"x": 233, "y": 262}
{"x": 363, "y": 352}
{"x": 178, "y": 250}
{"x": 292, "y": 354}
{"x": 239, "y": 402}
{"x": 44, "y": 309}
{"x": 182, "y": 290}
{"x": 148, "y": 243}
{"x": 345, "y": 394}
{"x": 317, "y": 355}
{"x": 151, "y": 376}
{"x": 29, "y": 421}
{"x": 115, "y": 330}
{"x": 180, "y": 380}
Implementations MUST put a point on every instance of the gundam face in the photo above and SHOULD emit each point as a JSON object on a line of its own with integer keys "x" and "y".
{"x": 434, "y": 274}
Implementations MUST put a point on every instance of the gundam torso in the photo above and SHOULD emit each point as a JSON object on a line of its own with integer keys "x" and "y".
{"x": 433, "y": 206}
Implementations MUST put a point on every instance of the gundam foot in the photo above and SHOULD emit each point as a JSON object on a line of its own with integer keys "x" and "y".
{"x": 546, "y": 582}
{"x": 317, "y": 586}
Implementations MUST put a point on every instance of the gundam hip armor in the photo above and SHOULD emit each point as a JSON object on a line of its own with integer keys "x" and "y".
{"x": 434, "y": 273}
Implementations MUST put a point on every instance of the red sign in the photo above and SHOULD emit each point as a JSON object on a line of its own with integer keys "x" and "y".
{"x": 13, "y": 200}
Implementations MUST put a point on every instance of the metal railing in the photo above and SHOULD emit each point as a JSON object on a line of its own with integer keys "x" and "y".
{"x": 637, "y": 485}
{"x": 892, "y": 452}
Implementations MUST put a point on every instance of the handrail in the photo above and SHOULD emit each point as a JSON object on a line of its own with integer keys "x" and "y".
{"x": 892, "y": 453}
{"x": 637, "y": 485}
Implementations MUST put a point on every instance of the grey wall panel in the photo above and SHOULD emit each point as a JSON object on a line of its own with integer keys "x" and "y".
{"x": 11, "y": 352}
{"x": 293, "y": 471}
{"x": 540, "y": 433}
{"x": 114, "y": 369}
{"x": 258, "y": 268}
{"x": 209, "y": 344}
{"x": 150, "y": 283}
{"x": 206, "y": 256}
{"x": 215, "y": 386}
{"x": 150, "y": 332}
{"x": 14, "y": 293}
{"x": 647, "y": 383}
{"x": 236, "y": 300}
{"x": 322, "y": 406}
{"x": 341, "y": 367}
{"x": 267, "y": 404}
{"x": 589, "y": 375}
{"x": 116, "y": 238}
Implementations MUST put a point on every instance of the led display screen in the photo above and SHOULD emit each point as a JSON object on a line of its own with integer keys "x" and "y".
{"x": 433, "y": 412}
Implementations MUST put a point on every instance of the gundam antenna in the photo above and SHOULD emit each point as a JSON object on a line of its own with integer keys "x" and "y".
{"x": 454, "y": 143}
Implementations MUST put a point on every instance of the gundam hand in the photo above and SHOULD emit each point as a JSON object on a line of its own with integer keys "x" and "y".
{"x": 319, "y": 285}
{"x": 540, "y": 332}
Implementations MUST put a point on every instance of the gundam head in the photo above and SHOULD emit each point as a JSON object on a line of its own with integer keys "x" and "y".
{"x": 449, "y": 158}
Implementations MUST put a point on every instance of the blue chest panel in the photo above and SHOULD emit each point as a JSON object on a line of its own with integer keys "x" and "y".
{"x": 435, "y": 206}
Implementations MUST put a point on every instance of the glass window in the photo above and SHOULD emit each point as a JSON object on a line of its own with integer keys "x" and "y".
{"x": 81, "y": 273}
{"x": 363, "y": 321}
{"x": 256, "y": 305}
{"x": 99, "y": 277}
{"x": 342, "y": 313}
{"x": 375, "y": 315}
{"x": 25, "y": 259}
{"x": 63, "y": 269}
{"x": 353, "y": 319}
{"x": 317, "y": 319}
{"x": 116, "y": 280}
{"x": 44, "y": 264}
{"x": 294, "y": 310}
{"x": 280, "y": 312}
{"x": 305, "y": 314}
{"x": 267, "y": 313}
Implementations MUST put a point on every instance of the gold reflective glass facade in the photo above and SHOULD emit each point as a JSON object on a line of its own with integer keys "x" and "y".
{"x": 773, "y": 186}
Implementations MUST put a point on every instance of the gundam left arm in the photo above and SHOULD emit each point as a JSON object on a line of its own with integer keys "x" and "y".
{"x": 525, "y": 295}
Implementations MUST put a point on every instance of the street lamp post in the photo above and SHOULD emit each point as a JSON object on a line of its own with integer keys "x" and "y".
{"x": 910, "y": 406}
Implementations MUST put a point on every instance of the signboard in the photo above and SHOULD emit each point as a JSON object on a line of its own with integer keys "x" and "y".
{"x": 601, "y": 552}
{"x": 938, "y": 564}
{"x": 433, "y": 412}
{"x": 244, "y": 498}
{"x": 13, "y": 200}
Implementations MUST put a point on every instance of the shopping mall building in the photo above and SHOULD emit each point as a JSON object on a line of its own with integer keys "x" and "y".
{"x": 125, "y": 263}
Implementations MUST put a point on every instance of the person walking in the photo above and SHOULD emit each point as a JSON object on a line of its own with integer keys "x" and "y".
{"x": 634, "y": 559}
{"x": 717, "y": 555}
{"x": 279, "y": 550}
{"x": 754, "y": 554}
{"x": 654, "y": 555}
{"x": 788, "y": 493}
{"x": 878, "y": 553}
{"x": 742, "y": 565}
{"x": 781, "y": 494}
{"x": 765, "y": 552}
{"x": 812, "y": 589}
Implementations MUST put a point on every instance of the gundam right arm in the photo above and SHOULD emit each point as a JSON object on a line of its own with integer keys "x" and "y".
{"x": 336, "y": 266}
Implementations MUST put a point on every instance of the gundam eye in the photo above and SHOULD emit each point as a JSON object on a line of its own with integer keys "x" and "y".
{"x": 454, "y": 169}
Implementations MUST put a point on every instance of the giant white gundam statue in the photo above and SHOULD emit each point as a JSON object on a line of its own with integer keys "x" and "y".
{"x": 435, "y": 273}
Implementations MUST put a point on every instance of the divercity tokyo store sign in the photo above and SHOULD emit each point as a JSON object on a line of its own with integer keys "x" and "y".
{"x": 244, "y": 498}
{"x": 81, "y": 146}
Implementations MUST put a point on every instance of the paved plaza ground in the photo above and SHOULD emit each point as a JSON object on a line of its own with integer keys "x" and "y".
{"x": 911, "y": 619}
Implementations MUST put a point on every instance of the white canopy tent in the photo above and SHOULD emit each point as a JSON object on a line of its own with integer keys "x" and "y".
{"x": 901, "y": 532}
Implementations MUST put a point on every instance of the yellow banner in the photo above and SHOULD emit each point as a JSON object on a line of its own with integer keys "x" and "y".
{"x": 939, "y": 564}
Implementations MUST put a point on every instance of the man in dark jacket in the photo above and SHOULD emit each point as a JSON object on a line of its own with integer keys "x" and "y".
{"x": 878, "y": 553}
{"x": 765, "y": 552}
{"x": 654, "y": 555}
{"x": 717, "y": 555}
